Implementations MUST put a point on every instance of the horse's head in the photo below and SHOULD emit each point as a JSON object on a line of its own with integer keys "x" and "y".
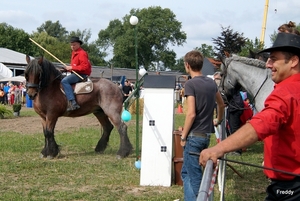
{"x": 39, "y": 74}
{"x": 33, "y": 75}
{"x": 229, "y": 82}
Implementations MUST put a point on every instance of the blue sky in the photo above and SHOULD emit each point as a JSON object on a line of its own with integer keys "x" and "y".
{"x": 201, "y": 20}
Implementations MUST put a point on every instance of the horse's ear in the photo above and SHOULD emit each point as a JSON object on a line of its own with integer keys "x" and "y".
{"x": 27, "y": 59}
{"x": 227, "y": 54}
{"x": 251, "y": 54}
{"x": 40, "y": 61}
{"x": 221, "y": 58}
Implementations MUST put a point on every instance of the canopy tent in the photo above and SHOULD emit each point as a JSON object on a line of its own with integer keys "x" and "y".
{"x": 4, "y": 71}
{"x": 13, "y": 79}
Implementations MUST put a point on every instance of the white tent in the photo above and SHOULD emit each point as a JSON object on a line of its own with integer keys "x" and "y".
{"x": 13, "y": 79}
{"x": 4, "y": 71}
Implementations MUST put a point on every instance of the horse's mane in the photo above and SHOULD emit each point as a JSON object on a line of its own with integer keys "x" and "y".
{"x": 47, "y": 71}
{"x": 249, "y": 61}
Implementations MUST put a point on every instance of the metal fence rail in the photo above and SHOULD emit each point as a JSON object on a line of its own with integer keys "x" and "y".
{"x": 206, "y": 181}
{"x": 208, "y": 175}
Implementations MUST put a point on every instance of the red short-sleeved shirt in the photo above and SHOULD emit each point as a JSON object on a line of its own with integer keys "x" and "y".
{"x": 278, "y": 125}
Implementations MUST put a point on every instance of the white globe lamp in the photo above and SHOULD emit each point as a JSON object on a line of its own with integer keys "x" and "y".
{"x": 133, "y": 20}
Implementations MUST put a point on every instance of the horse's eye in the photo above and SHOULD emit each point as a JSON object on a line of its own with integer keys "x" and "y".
{"x": 222, "y": 74}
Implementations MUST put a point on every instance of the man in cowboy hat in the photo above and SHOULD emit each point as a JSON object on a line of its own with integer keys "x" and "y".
{"x": 278, "y": 124}
{"x": 81, "y": 65}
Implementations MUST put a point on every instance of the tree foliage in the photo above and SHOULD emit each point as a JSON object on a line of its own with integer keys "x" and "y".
{"x": 229, "y": 41}
{"x": 179, "y": 65}
{"x": 206, "y": 50}
{"x": 54, "y": 29}
{"x": 15, "y": 39}
{"x": 60, "y": 50}
{"x": 250, "y": 45}
{"x": 156, "y": 31}
{"x": 56, "y": 39}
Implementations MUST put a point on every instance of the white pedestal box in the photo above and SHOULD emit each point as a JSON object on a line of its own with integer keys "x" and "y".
{"x": 157, "y": 132}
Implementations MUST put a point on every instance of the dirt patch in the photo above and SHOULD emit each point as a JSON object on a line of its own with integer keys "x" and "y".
{"x": 27, "y": 125}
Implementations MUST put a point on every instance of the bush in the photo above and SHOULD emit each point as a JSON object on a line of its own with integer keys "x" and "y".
{"x": 4, "y": 111}
{"x": 17, "y": 107}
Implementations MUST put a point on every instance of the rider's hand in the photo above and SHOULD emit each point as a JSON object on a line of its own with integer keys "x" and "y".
{"x": 68, "y": 68}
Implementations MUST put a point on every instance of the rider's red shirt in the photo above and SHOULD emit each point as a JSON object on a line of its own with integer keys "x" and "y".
{"x": 278, "y": 125}
{"x": 80, "y": 62}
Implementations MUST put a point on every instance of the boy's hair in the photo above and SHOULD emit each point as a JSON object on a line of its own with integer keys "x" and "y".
{"x": 195, "y": 59}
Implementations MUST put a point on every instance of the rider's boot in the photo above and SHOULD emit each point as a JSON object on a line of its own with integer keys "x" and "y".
{"x": 72, "y": 105}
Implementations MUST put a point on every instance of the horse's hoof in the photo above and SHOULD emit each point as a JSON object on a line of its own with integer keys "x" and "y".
{"x": 118, "y": 157}
{"x": 99, "y": 152}
{"x": 50, "y": 157}
{"x": 42, "y": 156}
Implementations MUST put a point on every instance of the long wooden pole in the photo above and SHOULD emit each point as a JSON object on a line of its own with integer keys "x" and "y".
{"x": 54, "y": 57}
{"x": 263, "y": 30}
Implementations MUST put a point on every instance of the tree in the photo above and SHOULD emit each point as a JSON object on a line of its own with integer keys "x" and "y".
{"x": 60, "y": 50}
{"x": 254, "y": 46}
{"x": 206, "y": 50}
{"x": 229, "y": 41}
{"x": 179, "y": 65}
{"x": 15, "y": 39}
{"x": 54, "y": 29}
{"x": 56, "y": 39}
{"x": 156, "y": 31}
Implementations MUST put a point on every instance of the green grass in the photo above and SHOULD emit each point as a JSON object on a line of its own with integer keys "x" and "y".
{"x": 78, "y": 173}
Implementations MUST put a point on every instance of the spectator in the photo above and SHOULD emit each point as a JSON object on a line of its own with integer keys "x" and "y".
{"x": 6, "y": 91}
{"x": 201, "y": 93}
{"x": 127, "y": 89}
{"x": 1, "y": 93}
{"x": 234, "y": 112}
{"x": 11, "y": 92}
{"x": 288, "y": 28}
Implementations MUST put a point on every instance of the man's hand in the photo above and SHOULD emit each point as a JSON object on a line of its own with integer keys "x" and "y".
{"x": 68, "y": 68}
{"x": 212, "y": 153}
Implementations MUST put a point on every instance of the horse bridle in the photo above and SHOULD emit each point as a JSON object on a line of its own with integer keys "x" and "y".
{"x": 32, "y": 85}
{"x": 39, "y": 85}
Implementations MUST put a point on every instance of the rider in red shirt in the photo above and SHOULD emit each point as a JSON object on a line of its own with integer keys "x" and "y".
{"x": 278, "y": 124}
{"x": 81, "y": 65}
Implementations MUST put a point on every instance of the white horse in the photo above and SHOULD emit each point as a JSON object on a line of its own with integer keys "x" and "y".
{"x": 251, "y": 74}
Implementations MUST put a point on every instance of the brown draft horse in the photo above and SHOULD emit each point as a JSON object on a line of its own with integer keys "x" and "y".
{"x": 105, "y": 102}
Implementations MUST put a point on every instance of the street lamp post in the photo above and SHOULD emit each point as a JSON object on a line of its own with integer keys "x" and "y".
{"x": 134, "y": 21}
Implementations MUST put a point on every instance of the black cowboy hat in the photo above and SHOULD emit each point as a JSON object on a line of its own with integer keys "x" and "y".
{"x": 286, "y": 42}
{"x": 75, "y": 39}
